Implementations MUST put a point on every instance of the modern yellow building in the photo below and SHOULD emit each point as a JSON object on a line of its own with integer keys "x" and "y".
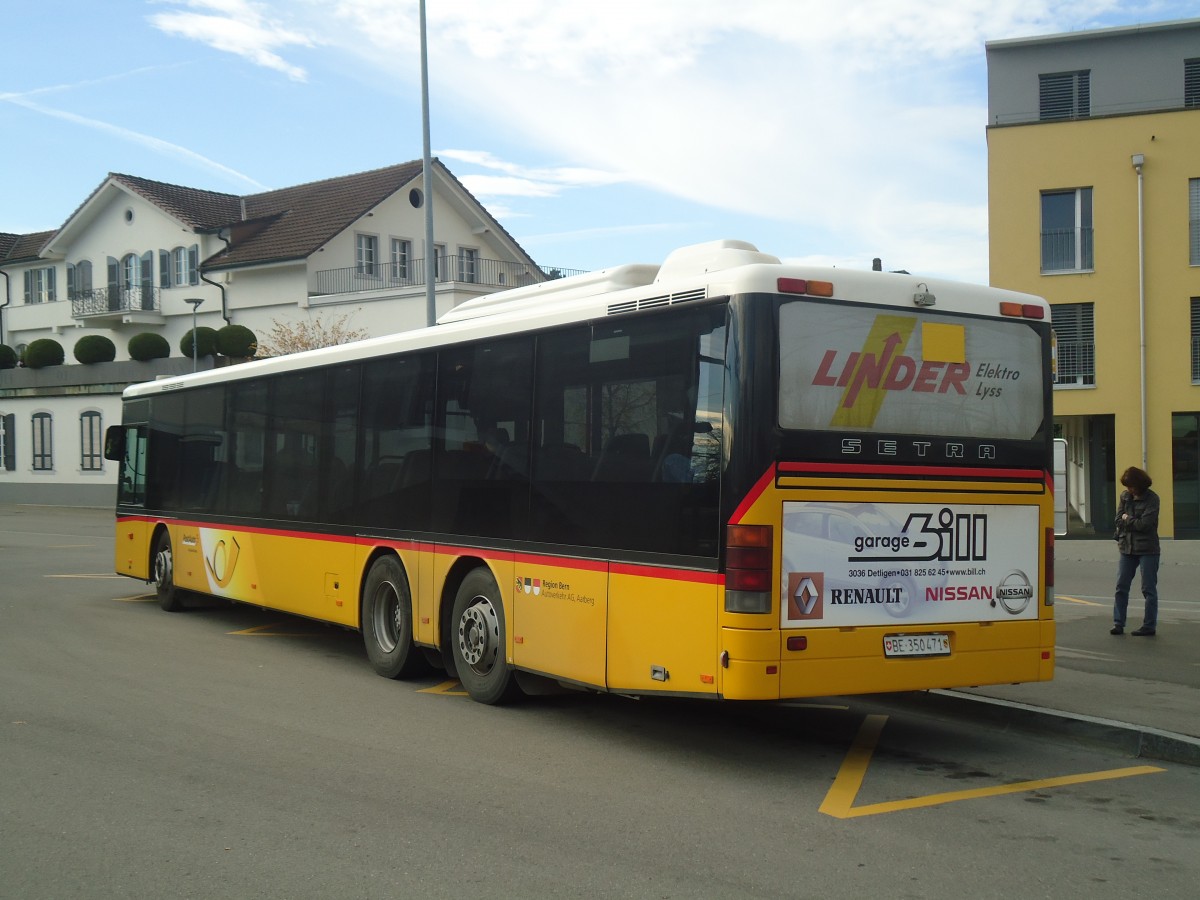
{"x": 1094, "y": 203}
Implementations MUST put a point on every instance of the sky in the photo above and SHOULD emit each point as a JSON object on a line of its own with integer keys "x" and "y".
{"x": 598, "y": 132}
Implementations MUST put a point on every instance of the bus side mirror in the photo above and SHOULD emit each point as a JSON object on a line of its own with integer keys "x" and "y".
{"x": 114, "y": 443}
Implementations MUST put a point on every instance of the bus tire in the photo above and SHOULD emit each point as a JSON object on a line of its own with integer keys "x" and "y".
{"x": 477, "y": 640}
{"x": 387, "y": 623}
{"x": 170, "y": 597}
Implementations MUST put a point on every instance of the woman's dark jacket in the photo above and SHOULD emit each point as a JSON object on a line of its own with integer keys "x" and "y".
{"x": 1139, "y": 535}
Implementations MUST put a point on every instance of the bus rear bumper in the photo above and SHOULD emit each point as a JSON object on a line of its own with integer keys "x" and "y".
{"x": 852, "y": 661}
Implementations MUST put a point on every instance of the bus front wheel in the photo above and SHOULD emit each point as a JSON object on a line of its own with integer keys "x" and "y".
{"x": 169, "y": 597}
{"x": 478, "y": 640}
{"x": 387, "y": 624}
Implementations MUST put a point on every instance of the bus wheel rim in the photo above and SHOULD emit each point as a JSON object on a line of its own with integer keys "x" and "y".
{"x": 387, "y": 617}
{"x": 162, "y": 568}
{"x": 479, "y": 635}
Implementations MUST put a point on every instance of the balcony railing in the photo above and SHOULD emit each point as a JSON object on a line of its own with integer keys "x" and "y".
{"x": 1076, "y": 363}
{"x": 1067, "y": 250}
{"x": 490, "y": 273}
{"x": 106, "y": 302}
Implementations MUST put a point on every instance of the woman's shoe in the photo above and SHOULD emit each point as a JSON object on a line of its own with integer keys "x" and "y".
{"x": 1143, "y": 632}
{"x": 1117, "y": 629}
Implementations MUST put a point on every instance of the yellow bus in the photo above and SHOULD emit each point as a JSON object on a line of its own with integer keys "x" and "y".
{"x": 726, "y": 477}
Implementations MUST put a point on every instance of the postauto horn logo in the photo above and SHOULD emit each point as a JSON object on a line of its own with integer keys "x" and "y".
{"x": 1014, "y": 592}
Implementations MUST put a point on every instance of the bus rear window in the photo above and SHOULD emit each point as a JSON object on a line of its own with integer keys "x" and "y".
{"x": 855, "y": 368}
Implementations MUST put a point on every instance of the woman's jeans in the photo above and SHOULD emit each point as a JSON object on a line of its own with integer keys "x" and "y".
{"x": 1125, "y": 569}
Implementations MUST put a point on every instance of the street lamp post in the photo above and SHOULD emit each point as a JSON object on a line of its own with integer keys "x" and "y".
{"x": 195, "y": 302}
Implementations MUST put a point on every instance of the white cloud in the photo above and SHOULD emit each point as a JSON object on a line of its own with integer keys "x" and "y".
{"x": 238, "y": 27}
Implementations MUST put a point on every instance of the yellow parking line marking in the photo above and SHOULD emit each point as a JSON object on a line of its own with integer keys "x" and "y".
{"x": 264, "y": 631}
{"x": 839, "y": 801}
{"x": 140, "y": 598}
{"x": 446, "y": 688}
{"x": 1077, "y": 600}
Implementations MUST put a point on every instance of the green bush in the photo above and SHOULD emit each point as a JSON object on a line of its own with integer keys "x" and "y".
{"x": 8, "y": 357}
{"x": 236, "y": 341}
{"x": 44, "y": 352}
{"x": 206, "y": 342}
{"x": 148, "y": 345}
{"x": 94, "y": 348}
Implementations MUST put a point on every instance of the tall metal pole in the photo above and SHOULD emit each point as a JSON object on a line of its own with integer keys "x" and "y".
{"x": 195, "y": 303}
{"x": 1138, "y": 161}
{"x": 427, "y": 183}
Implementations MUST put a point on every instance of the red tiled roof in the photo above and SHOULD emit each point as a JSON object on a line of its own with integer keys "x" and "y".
{"x": 24, "y": 246}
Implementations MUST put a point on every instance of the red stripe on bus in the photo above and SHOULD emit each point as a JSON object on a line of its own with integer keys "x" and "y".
{"x": 670, "y": 574}
{"x": 765, "y": 481}
{"x": 924, "y": 471}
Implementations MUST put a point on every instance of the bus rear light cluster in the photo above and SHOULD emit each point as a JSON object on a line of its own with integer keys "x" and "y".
{"x": 805, "y": 286}
{"x": 748, "y": 568}
{"x": 1022, "y": 310}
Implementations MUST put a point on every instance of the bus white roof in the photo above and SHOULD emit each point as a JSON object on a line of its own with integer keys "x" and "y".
{"x": 702, "y": 271}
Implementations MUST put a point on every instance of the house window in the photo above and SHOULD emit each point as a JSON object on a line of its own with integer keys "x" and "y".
{"x": 1196, "y": 340}
{"x": 468, "y": 265}
{"x": 1067, "y": 231}
{"x": 1194, "y": 221}
{"x": 366, "y": 254}
{"x": 439, "y": 255}
{"x": 91, "y": 441}
{"x": 184, "y": 264}
{"x": 401, "y": 253}
{"x": 8, "y": 442}
{"x": 1065, "y": 95}
{"x": 39, "y": 285}
{"x": 43, "y": 442}
{"x": 79, "y": 279}
{"x": 1191, "y": 83}
{"x": 1075, "y": 343}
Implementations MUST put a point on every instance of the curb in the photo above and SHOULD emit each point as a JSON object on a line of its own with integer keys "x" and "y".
{"x": 1139, "y": 741}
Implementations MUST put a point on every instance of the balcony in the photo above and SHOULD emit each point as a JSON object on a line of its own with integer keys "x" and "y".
{"x": 490, "y": 274}
{"x": 1076, "y": 364}
{"x": 135, "y": 304}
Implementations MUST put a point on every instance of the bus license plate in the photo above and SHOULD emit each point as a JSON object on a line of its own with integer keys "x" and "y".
{"x": 916, "y": 645}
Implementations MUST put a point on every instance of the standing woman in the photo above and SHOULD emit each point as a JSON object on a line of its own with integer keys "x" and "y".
{"x": 1137, "y": 539}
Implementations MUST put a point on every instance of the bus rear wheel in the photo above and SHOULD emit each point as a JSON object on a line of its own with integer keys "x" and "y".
{"x": 387, "y": 624}
{"x": 478, "y": 640}
{"x": 170, "y": 597}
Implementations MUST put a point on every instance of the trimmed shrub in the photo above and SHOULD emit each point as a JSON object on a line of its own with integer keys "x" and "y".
{"x": 8, "y": 357}
{"x": 44, "y": 352}
{"x": 236, "y": 341}
{"x": 148, "y": 345}
{"x": 94, "y": 348}
{"x": 206, "y": 342}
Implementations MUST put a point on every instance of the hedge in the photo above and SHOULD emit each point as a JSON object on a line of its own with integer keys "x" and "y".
{"x": 147, "y": 346}
{"x": 236, "y": 341}
{"x": 94, "y": 348}
{"x": 8, "y": 357}
{"x": 44, "y": 352}
{"x": 206, "y": 342}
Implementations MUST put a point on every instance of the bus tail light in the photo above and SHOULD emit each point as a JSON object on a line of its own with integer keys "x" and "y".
{"x": 748, "y": 568}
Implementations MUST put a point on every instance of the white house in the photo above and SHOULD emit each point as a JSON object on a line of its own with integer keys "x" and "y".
{"x": 144, "y": 256}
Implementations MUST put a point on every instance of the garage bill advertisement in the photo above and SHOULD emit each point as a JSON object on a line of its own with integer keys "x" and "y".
{"x": 852, "y": 564}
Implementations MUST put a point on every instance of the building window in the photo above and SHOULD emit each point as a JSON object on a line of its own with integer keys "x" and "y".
{"x": 439, "y": 255}
{"x": 401, "y": 253}
{"x": 39, "y": 285}
{"x": 1075, "y": 344}
{"x": 1196, "y": 340}
{"x": 79, "y": 280}
{"x": 1194, "y": 221}
{"x": 179, "y": 267}
{"x": 468, "y": 265}
{"x": 1191, "y": 83}
{"x": 1067, "y": 231}
{"x": 91, "y": 442}
{"x": 43, "y": 442}
{"x": 1065, "y": 95}
{"x": 8, "y": 442}
{"x": 366, "y": 254}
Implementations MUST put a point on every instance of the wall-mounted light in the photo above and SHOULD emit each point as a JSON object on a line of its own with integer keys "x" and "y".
{"x": 1138, "y": 160}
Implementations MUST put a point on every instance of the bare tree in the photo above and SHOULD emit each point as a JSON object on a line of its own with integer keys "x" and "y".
{"x": 309, "y": 334}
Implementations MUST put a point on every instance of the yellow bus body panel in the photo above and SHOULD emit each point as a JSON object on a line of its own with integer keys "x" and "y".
{"x": 132, "y": 547}
{"x": 559, "y": 616}
{"x": 662, "y": 626}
